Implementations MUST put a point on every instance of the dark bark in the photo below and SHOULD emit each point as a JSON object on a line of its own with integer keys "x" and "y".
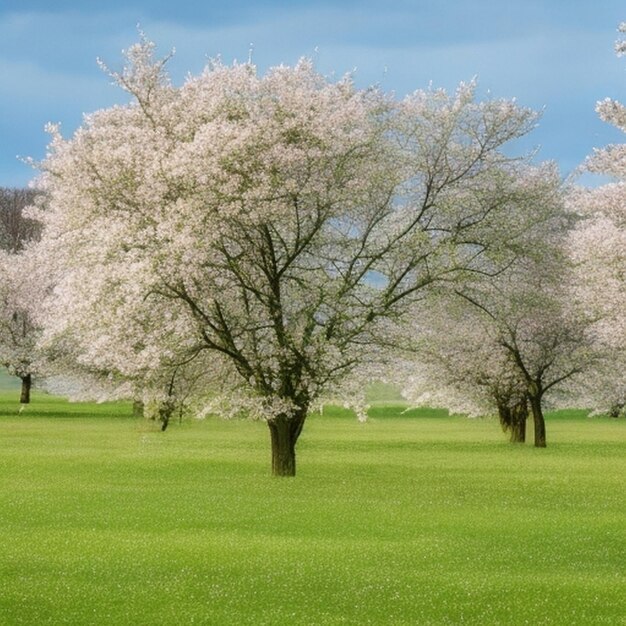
{"x": 167, "y": 407}
{"x": 284, "y": 433}
{"x": 27, "y": 382}
{"x": 519, "y": 415}
{"x": 513, "y": 420}
{"x": 616, "y": 409}
{"x": 539, "y": 421}
{"x": 504, "y": 413}
{"x": 165, "y": 413}
{"x": 518, "y": 432}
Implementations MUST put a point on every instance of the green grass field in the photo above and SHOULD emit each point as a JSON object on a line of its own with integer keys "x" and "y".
{"x": 408, "y": 519}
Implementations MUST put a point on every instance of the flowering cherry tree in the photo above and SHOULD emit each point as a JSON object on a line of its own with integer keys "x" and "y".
{"x": 277, "y": 223}
{"x": 20, "y": 294}
{"x": 539, "y": 325}
{"x": 20, "y": 288}
{"x": 598, "y": 250}
{"x": 460, "y": 365}
{"x": 513, "y": 344}
{"x": 501, "y": 344}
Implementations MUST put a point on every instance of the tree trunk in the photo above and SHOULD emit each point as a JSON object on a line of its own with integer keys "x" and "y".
{"x": 519, "y": 415}
{"x": 504, "y": 413}
{"x": 165, "y": 412}
{"x": 27, "y": 382}
{"x": 539, "y": 421}
{"x": 138, "y": 408}
{"x": 518, "y": 432}
{"x": 513, "y": 419}
{"x": 284, "y": 433}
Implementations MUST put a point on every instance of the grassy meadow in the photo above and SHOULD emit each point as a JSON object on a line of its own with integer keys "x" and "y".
{"x": 414, "y": 518}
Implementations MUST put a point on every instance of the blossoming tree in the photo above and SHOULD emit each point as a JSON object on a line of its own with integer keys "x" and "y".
{"x": 20, "y": 288}
{"x": 514, "y": 343}
{"x": 20, "y": 294}
{"x": 279, "y": 222}
{"x": 501, "y": 345}
{"x": 598, "y": 250}
{"x": 541, "y": 327}
{"x": 460, "y": 365}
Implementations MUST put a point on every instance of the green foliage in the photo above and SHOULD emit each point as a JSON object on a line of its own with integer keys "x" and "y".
{"x": 431, "y": 520}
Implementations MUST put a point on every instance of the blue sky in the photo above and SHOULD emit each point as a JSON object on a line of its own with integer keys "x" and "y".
{"x": 555, "y": 55}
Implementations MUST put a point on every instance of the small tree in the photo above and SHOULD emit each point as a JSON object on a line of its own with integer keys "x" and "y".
{"x": 508, "y": 342}
{"x": 20, "y": 290}
{"x": 543, "y": 332}
{"x": 460, "y": 365}
{"x": 482, "y": 346}
{"x": 284, "y": 219}
{"x": 20, "y": 294}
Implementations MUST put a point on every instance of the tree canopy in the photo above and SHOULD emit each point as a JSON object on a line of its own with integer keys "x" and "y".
{"x": 279, "y": 223}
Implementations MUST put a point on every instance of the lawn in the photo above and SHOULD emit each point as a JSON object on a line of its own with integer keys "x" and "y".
{"x": 416, "y": 518}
